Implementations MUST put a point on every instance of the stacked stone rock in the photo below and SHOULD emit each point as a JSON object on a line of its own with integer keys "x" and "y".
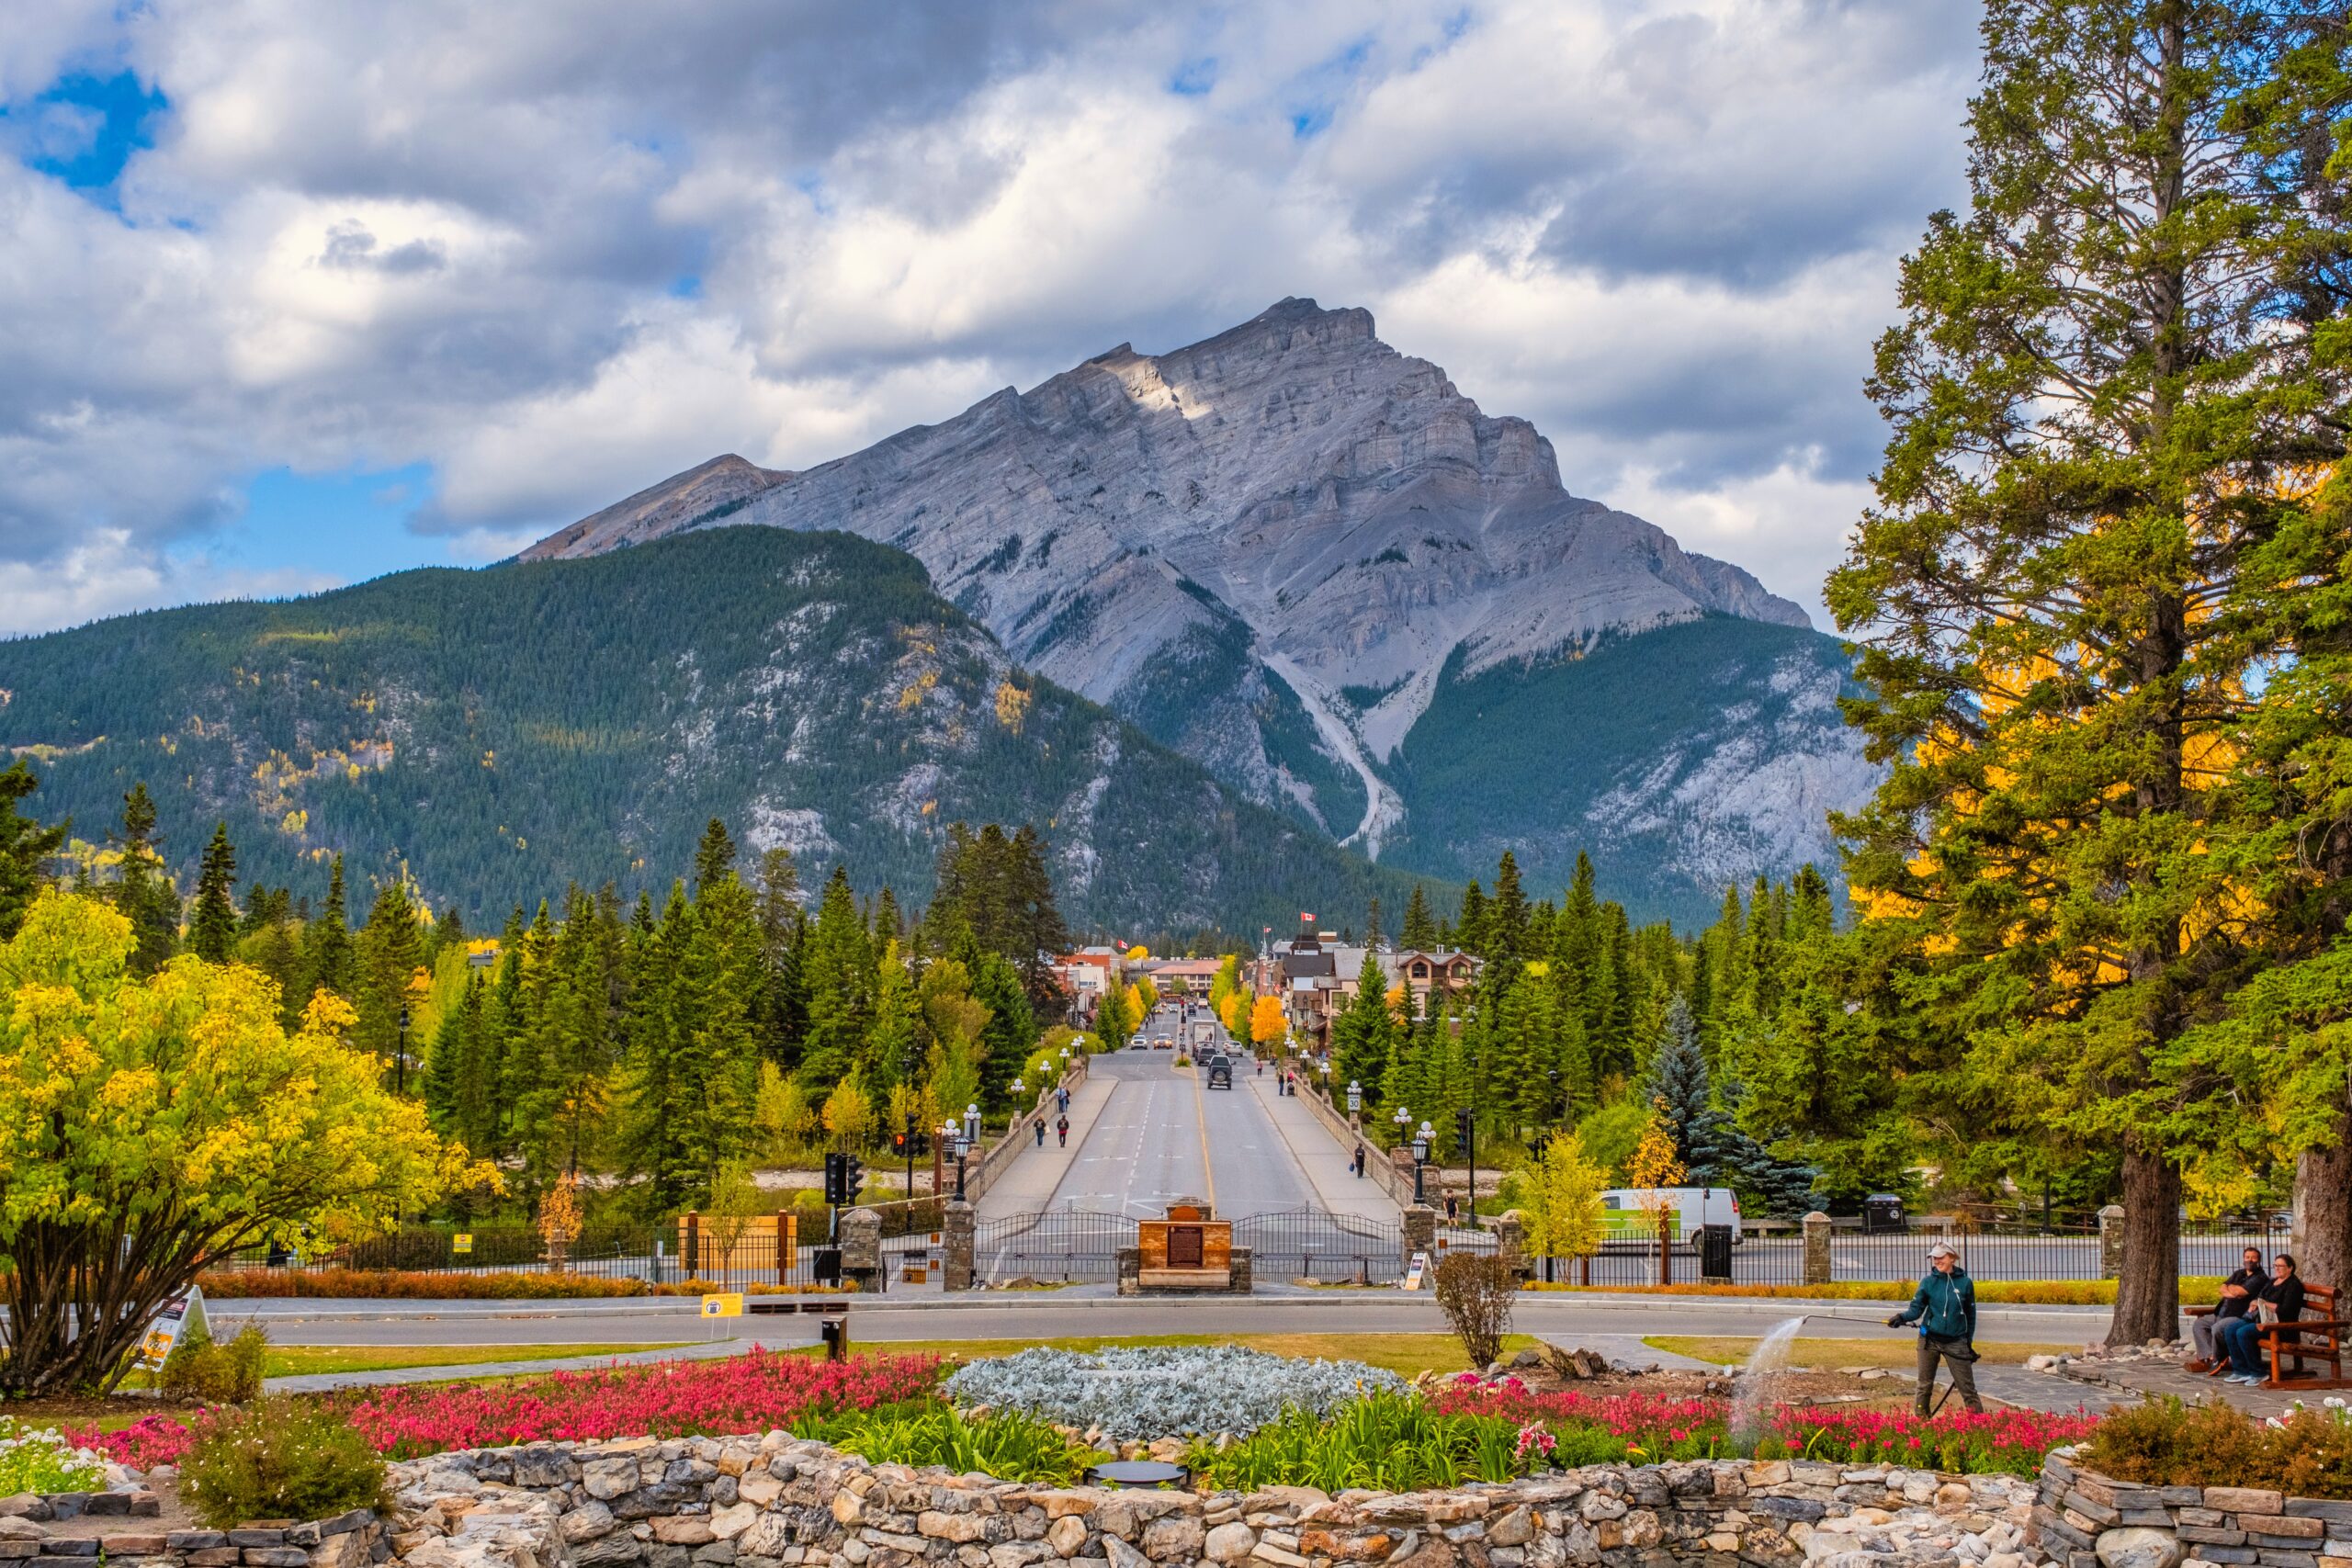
{"x": 779, "y": 1502}
{"x": 2089, "y": 1520}
{"x": 29, "y": 1528}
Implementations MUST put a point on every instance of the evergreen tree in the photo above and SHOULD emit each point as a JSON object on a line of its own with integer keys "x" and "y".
{"x": 1679, "y": 1082}
{"x": 24, "y": 846}
{"x": 326, "y": 947}
{"x": 143, "y": 889}
{"x": 1506, "y": 915}
{"x": 714, "y": 856}
{"x": 2108, "y": 395}
{"x": 1470, "y": 932}
{"x": 1362, "y": 1039}
{"x": 390, "y": 952}
{"x": 838, "y": 970}
{"x": 1011, "y": 1030}
{"x": 212, "y": 928}
{"x": 1419, "y": 933}
{"x": 893, "y": 1049}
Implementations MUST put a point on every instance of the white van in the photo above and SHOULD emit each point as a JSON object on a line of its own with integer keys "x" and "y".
{"x": 1688, "y": 1209}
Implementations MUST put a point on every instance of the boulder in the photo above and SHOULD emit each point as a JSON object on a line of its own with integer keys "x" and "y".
{"x": 2137, "y": 1546}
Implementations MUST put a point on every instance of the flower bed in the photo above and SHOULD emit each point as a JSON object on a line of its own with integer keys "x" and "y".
{"x": 35, "y": 1459}
{"x": 1997, "y": 1442}
{"x": 1165, "y": 1391}
{"x": 744, "y": 1394}
{"x": 2307, "y": 1452}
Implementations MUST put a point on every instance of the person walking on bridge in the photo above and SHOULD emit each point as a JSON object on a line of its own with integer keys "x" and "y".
{"x": 1061, "y": 1130}
{"x": 1041, "y": 1131}
{"x": 1945, "y": 1309}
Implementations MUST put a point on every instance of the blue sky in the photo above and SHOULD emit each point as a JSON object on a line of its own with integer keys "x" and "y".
{"x": 282, "y": 316}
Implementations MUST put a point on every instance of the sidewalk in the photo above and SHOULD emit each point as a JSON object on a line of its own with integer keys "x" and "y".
{"x": 322, "y": 1383}
{"x": 1320, "y": 1156}
{"x": 1028, "y": 1184}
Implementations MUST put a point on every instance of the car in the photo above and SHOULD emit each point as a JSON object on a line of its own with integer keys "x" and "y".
{"x": 1163, "y": 1043}
{"x": 1220, "y": 1072}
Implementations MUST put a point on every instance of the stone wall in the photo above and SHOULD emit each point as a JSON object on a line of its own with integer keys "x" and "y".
{"x": 82, "y": 1526}
{"x": 2087, "y": 1521}
{"x": 779, "y": 1502}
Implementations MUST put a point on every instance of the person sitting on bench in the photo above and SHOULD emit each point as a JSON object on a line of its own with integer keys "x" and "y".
{"x": 2237, "y": 1300}
{"x": 2282, "y": 1300}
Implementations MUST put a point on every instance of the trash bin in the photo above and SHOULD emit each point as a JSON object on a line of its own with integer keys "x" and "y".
{"x": 1882, "y": 1214}
{"x": 1714, "y": 1254}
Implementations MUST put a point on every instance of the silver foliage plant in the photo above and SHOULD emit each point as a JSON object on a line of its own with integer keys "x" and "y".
{"x": 1164, "y": 1392}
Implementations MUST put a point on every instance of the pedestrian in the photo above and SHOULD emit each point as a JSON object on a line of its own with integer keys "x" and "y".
{"x": 1453, "y": 1209}
{"x": 2238, "y": 1294}
{"x": 1944, "y": 1307}
{"x": 2282, "y": 1301}
{"x": 1061, "y": 1130}
{"x": 1041, "y": 1131}
{"x": 1358, "y": 1162}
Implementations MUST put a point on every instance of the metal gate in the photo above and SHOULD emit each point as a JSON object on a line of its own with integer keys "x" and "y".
{"x": 1062, "y": 1245}
{"x": 1312, "y": 1244}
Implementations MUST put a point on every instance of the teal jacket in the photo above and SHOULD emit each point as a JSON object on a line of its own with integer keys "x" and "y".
{"x": 1944, "y": 1306}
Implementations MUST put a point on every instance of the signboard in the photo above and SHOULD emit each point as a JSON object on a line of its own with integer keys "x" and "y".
{"x": 1413, "y": 1275}
{"x": 728, "y": 1303}
{"x": 462, "y": 1242}
{"x": 181, "y": 1315}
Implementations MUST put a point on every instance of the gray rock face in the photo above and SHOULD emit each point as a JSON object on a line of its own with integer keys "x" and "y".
{"x": 1267, "y": 549}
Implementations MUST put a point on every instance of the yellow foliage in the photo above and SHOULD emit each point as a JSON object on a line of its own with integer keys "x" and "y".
{"x": 918, "y": 689}
{"x": 293, "y": 823}
{"x": 1012, "y": 705}
{"x": 1267, "y": 1024}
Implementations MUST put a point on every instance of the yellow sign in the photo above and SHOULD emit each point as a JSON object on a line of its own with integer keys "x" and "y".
{"x": 728, "y": 1303}
{"x": 462, "y": 1242}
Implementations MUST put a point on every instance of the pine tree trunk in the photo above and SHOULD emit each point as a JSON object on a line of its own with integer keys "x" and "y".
{"x": 2323, "y": 1211}
{"x": 2147, "y": 1297}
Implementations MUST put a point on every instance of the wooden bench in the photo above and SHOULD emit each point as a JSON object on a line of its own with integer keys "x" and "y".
{"x": 2317, "y": 1336}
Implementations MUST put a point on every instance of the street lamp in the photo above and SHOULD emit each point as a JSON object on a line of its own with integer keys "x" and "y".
{"x": 972, "y": 1123}
{"x": 1421, "y": 1157}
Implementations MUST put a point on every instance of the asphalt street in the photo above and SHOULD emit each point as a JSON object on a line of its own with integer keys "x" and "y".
{"x": 1083, "y": 1312}
{"x": 1161, "y": 1134}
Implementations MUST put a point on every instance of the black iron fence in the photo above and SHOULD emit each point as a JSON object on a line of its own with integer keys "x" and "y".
{"x": 1312, "y": 1245}
{"x": 723, "y": 1252}
{"x": 1056, "y": 1247}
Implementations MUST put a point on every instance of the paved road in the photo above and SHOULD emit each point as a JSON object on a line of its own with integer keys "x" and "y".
{"x": 1092, "y": 1312}
{"x": 1144, "y": 1135}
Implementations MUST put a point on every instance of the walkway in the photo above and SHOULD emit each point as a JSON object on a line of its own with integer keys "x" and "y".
{"x": 1029, "y": 1183}
{"x": 1329, "y": 1169}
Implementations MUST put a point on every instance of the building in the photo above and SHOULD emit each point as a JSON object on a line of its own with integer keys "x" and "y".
{"x": 1182, "y": 976}
{"x": 1084, "y": 975}
{"x": 1440, "y": 970}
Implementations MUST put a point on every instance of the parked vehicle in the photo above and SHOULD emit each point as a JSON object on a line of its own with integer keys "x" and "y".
{"x": 1686, "y": 1211}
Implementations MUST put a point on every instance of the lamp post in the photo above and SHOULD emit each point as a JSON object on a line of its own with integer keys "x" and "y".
{"x": 1421, "y": 1158}
{"x": 972, "y": 1123}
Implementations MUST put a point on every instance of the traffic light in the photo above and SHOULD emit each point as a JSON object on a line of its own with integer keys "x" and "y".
{"x": 852, "y": 1178}
{"x": 1464, "y": 1127}
{"x": 836, "y": 1178}
{"x": 902, "y": 1146}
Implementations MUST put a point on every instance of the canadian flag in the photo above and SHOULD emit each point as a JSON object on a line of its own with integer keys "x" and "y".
{"x": 1305, "y": 919}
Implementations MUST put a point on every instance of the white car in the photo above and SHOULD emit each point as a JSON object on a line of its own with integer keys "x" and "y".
{"x": 1692, "y": 1208}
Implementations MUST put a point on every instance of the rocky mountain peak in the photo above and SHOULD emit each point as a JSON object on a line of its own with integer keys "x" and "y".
{"x": 1269, "y": 547}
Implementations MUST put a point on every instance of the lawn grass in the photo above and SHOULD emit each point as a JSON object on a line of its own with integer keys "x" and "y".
{"x": 1407, "y": 1355}
{"x": 297, "y": 1361}
{"x": 1894, "y": 1354}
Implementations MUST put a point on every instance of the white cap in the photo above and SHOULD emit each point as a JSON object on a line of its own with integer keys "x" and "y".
{"x": 1943, "y": 1249}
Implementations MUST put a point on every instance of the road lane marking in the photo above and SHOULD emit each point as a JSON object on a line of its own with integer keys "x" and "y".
{"x": 1201, "y": 1119}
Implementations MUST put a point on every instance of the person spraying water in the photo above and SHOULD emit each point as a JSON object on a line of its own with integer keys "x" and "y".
{"x": 1944, "y": 1307}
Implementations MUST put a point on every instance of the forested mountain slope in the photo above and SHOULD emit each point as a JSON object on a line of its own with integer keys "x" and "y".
{"x": 503, "y": 730}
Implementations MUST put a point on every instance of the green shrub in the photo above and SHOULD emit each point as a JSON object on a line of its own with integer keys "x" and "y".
{"x": 282, "y": 1459}
{"x": 1005, "y": 1444}
{"x": 2167, "y": 1443}
{"x": 201, "y": 1367}
{"x": 1385, "y": 1441}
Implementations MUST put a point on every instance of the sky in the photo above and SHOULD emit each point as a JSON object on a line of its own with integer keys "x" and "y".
{"x": 297, "y": 294}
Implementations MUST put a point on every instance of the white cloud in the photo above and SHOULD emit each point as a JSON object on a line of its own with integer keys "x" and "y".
{"x": 107, "y": 573}
{"x": 558, "y": 249}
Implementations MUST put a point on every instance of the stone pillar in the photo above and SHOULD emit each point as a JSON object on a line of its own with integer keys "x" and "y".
{"x": 956, "y": 1227}
{"x": 1817, "y": 1248}
{"x": 1240, "y": 1281}
{"x": 1511, "y": 1242}
{"x": 1420, "y": 1233}
{"x": 1130, "y": 1260}
{"x": 2110, "y": 1242}
{"x": 861, "y": 1248}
